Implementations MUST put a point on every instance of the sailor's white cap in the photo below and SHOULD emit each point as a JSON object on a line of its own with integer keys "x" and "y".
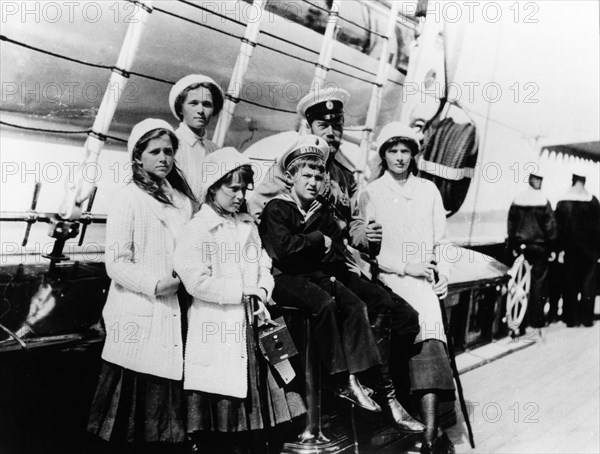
{"x": 538, "y": 172}
{"x": 305, "y": 145}
{"x": 580, "y": 171}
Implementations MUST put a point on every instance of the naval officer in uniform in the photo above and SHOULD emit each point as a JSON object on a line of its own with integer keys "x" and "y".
{"x": 394, "y": 322}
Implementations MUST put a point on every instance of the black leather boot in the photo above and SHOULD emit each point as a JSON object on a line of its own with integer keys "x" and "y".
{"x": 347, "y": 387}
{"x": 385, "y": 393}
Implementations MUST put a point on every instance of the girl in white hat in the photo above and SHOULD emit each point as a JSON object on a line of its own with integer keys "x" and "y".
{"x": 139, "y": 397}
{"x": 223, "y": 266}
{"x": 413, "y": 219}
{"x": 194, "y": 100}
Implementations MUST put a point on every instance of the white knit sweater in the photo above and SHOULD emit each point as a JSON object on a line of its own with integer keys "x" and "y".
{"x": 143, "y": 331}
{"x": 219, "y": 260}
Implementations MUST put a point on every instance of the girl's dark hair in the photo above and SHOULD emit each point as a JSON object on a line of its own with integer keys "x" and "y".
{"x": 145, "y": 181}
{"x": 246, "y": 176}
{"x": 216, "y": 97}
{"x": 414, "y": 149}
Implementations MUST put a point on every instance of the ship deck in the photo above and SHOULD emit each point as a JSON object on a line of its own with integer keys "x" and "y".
{"x": 543, "y": 398}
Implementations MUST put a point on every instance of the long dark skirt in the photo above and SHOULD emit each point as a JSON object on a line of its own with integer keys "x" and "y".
{"x": 133, "y": 407}
{"x": 218, "y": 413}
{"x": 430, "y": 370}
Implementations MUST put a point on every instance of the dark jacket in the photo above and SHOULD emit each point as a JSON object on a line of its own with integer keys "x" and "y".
{"x": 297, "y": 245}
{"x": 340, "y": 191}
{"x": 531, "y": 221}
{"x": 579, "y": 227}
{"x": 342, "y": 194}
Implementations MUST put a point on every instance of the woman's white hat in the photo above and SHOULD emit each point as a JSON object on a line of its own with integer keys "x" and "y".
{"x": 218, "y": 164}
{"x": 192, "y": 79}
{"x": 143, "y": 127}
{"x": 395, "y": 129}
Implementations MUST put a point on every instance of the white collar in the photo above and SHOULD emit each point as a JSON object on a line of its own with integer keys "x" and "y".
{"x": 212, "y": 219}
{"x": 188, "y": 136}
{"x": 406, "y": 190}
{"x": 305, "y": 214}
{"x": 531, "y": 197}
{"x": 576, "y": 196}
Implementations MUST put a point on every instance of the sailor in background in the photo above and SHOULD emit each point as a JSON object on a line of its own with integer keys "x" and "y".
{"x": 194, "y": 100}
{"x": 532, "y": 231}
{"x": 578, "y": 221}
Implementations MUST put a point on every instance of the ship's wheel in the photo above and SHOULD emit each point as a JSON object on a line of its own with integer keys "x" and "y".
{"x": 518, "y": 293}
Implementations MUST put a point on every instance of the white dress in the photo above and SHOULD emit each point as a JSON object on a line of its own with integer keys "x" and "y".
{"x": 414, "y": 223}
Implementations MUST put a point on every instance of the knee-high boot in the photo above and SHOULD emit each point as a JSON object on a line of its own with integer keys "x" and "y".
{"x": 385, "y": 393}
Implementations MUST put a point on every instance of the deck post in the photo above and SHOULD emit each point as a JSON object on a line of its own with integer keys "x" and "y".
{"x": 80, "y": 188}
{"x": 238, "y": 75}
{"x": 385, "y": 63}
{"x": 323, "y": 64}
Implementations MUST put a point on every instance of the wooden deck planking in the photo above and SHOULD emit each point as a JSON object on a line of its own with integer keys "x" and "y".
{"x": 543, "y": 437}
{"x": 558, "y": 404}
{"x": 577, "y": 409}
{"x": 507, "y": 393}
{"x": 560, "y": 374}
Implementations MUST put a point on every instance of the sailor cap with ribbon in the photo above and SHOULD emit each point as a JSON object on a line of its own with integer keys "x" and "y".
{"x": 143, "y": 127}
{"x": 193, "y": 79}
{"x": 323, "y": 104}
{"x": 303, "y": 146}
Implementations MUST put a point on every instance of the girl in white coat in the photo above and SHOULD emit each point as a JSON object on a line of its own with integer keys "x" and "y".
{"x": 222, "y": 264}
{"x": 413, "y": 218}
{"x": 139, "y": 397}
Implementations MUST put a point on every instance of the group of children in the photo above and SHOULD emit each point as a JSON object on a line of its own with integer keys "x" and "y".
{"x": 186, "y": 288}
